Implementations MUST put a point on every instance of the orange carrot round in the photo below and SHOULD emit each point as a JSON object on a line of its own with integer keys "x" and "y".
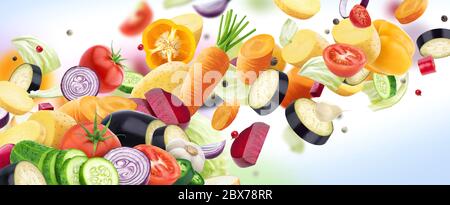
{"x": 224, "y": 116}
{"x": 299, "y": 87}
{"x": 255, "y": 56}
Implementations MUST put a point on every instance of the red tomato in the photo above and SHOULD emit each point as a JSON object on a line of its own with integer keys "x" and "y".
{"x": 344, "y": 60}
{"x": 165, "y": 169}
{"x": 106, "y": 65}
{"x": 359, "y": 16}
{"x": 77, "y": 138}
{"x": 137, "y": 23}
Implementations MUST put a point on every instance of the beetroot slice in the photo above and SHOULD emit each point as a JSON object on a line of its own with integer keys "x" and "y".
{"x": 247, "y": 147}
{"x": 168, "y": 108}
{"x": 143, "y": 106}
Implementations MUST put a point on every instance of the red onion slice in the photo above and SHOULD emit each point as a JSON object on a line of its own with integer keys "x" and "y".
{"x": 212, "y": 151}
{"x": 343, "y": 7}
{"x": 132, "y": 165}
{"x": 212, "y": 9}
{"x": 78, "y": 82}
{"x": 4, "y": 118}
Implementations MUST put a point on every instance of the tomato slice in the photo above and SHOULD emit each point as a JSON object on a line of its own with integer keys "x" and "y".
{"x": 344, "y": 60}
{"x": 359, "y": 16}
{"x": 165, "y": 169}
{"x": 136, "y": 23}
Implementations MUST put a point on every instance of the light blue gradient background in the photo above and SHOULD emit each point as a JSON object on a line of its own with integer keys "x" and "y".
{"x": 408, "y": 144}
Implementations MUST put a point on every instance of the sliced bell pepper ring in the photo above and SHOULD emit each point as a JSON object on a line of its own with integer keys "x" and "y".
{"x": 164, "y": 41}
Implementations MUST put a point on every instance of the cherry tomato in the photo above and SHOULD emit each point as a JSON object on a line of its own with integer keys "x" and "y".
{"x": 106, "y": 65}
{"x": 136, "y": 23}
{"x": 92, "y": 144}
{"x": 344, "y": 60}
{"x": 165, "y": 169}
{"x": 359, "y": 16}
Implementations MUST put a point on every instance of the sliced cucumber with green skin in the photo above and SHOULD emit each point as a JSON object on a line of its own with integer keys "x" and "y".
{"x": 197, "y": 179}
{"x": 30, "y": 151}
{"x": 70, "y": 172}
{"x": 386, "y": 86}
{"x": 98, "y": 171}
{"x": 187, "y": 172}
{"x": 49, "y": 168}
{"x": 131, "y": 79}
{"x": 357, "y": 79}
{"x": 63, "y": 157}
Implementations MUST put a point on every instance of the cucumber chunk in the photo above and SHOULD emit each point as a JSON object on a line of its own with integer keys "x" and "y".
{"x": 70, "y": 172}
{"x": 49, "y": 168}
{"x": 98, "y": 171}
{"x": 63, "y": 157}
{"x": 386, "y": 86}
{"x": 130, "y": 81}
{"x": 30, "y": 151}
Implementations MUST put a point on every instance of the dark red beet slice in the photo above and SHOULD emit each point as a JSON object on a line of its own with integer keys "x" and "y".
{"x": 143, "y": 106}
{"x": 168, "y": 108}
{"x": 247, "y": 147}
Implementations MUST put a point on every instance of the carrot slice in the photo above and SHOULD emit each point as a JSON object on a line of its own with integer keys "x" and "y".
{"x": 410, "y": 10}
{"x": 224, "y": 116}
{"x": 88, "y": 108}
{"x": 207, "y": 71}
{"x": 112, "y": 104}
{"x": 255, "y": 56}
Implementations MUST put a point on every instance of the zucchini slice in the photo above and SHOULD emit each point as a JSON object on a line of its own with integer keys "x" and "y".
{"x": 268, "y": 91}
{"x": 435, "y": 43}
{"x": 357, "y": 79}
{"x": 22, "y": 173}
{"x": 27, "y": 76}
{"x": 301, "y": 116}
{"x": 164, "y": 135}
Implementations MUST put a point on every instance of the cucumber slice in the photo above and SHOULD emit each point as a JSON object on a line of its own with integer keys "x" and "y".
{"x": 49, "y": 168}
{"x": 131, "y": 79}
{"x": 386, "y": 86}
{"x": 357, "y": 79}
{"x": 30, "y": 151}
{"x": 63, "y": 157}
{"x": 98, "y": 171}
{"x": 70, "y": 172}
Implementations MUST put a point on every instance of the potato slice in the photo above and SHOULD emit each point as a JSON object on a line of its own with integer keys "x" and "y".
{"x": 193, "y": 22}
{"x": 366, "y": 39}
{"x": 305, "y": 45}
{"x": 55, "y": 124}
{"x": 302, "y": 9}
{"x": 30, "y": 130}
{"x": 14, "y": 99}
{"x": 168, "y": 76}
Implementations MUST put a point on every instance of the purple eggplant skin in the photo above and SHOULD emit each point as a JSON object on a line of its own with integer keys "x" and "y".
{"x": 212, "y": 9}
{"x": 432, "y": 34}
{"x": 301, "y": 130}
{"x": 36, "y": 79}
{"x": 158, "y": 138}
{"x": 7, "y": 175}
{"x": 278, "y": 97}
{"x": 129, "y": 126}
{"x": 4, "y": 118}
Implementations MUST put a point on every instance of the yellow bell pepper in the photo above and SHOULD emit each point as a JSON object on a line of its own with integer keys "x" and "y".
{"x": 397, "y": 50}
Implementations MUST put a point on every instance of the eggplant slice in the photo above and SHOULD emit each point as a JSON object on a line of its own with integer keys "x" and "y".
{"x": 268, "y": 91}
{"x": 435, "y": 43}
{"x": 22, "y": 173}
{"x": 28, "y": 77}
{"x": 301, "y": 116}
{"x": 164, "y": 135}
{"x": 152, "y": 127}
{"x": 129, "y": 126}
